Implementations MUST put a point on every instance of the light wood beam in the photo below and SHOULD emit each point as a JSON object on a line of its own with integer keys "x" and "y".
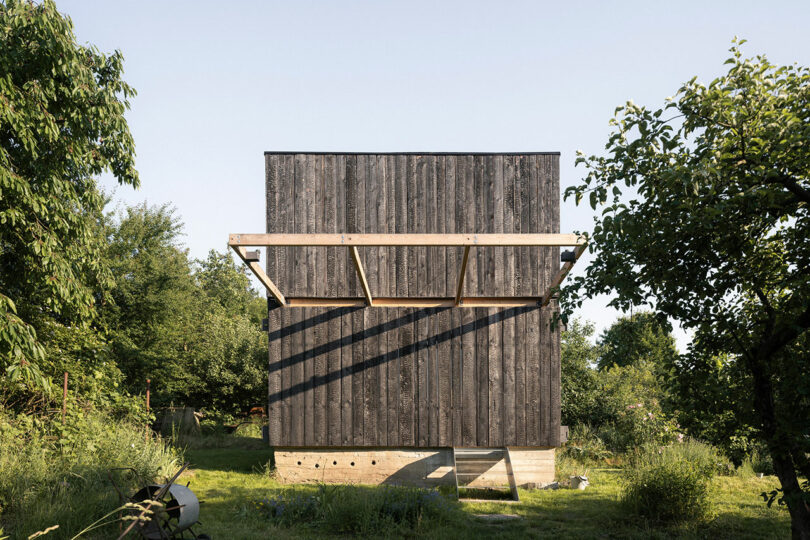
{"x": 360, "y": 274}
{"x": 460, "y": 287}
{"x": 405, "y": 240}
{"x": 558, "y": 279}
{"x": 424, "y": 302}
{"x": 259, "y": 273}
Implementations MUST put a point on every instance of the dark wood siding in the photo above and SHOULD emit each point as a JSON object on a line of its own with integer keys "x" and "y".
{"x": 404, "y": 376}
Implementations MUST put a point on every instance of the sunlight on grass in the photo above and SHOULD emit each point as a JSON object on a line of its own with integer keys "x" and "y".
{"x": 229, "y": 479}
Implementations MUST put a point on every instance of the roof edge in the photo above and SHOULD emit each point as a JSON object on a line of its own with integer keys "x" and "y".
{"x": 310, "y": 152}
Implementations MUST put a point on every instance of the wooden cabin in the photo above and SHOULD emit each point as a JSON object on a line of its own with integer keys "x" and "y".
{"x": 411, "y": 298}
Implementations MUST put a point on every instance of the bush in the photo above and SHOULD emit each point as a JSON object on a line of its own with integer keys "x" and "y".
{"x": 704, "y": 458}
{"x": 361, "y": 511}
{"x": 52, "y": 474}
{"x": 671, "y": 483}
{"x": 585, "y": 445}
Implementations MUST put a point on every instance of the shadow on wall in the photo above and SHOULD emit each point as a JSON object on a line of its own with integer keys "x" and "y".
{"x": 357, "y": 337}
{"x": 425, "y": 472}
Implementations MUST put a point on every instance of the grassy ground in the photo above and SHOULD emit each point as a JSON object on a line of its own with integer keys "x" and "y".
{"x": 229, "y": 479}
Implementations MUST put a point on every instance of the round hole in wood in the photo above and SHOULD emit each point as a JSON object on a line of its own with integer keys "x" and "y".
{"x": 352, "y": 463}
{"x": 317, "y": 465}
{"x": 373, "y": 462}
{"x": 334, "y": 463}
{"x": 299, "y": 463}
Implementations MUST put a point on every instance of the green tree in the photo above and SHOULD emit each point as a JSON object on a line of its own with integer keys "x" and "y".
{"x": 155, "y": 300}
{"x": 192, "y": 327}
{"x": 61, "y": 125}
{"x": 711, "y": 228}
{"x": 638, "y": 338}
{"x": 580, "y": 397}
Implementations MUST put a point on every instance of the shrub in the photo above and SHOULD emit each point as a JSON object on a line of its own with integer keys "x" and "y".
{"x": 673, "y": 491}
{"x": 671, "y": 483}
{"x": 704, "y": 458}
{"x": 585, "y": 445}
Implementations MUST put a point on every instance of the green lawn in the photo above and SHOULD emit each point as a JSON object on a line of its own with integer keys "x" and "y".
{"x": 229, "y": 479}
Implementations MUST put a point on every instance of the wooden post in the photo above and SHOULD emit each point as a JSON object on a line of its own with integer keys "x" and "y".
{"x": 64, "y": 398}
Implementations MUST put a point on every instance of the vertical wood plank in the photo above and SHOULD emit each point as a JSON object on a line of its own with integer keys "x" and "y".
{"x": 422, "y": 288}
{"x": 552, "y": 204}
{"x": 286, "y": 378}
{"x": 545, "y": 373}
{"x": 286, "y": 267}
{"x": 297, "y": 380}
{"x": 532, "y": 347}
{"x": 408, "y": 361}
{"x": 482, "y": 373}
{"x": 346, "y": 357}
{"x": 495, "y": 271}
{"x": 520, "y": 377}
{"x": 366, "y": 172}
{"x": 422, "y": 358}
{"x": 383, "y": 178}
{"x": 274, "y": 345}
{"x": 508, "y": 325}
{"x": 483, "y": 224}
{"x": 466, "y": 217}
{"x": 355, "y": 215}
{"x": 298, "y": 283}
{"x": 315, "y": 366}
{"x": 544, "y": 217}
{"x": 446, "y": 328}
{"x": 392, "y": 333}
{"x": 407, "y": 427}
{"x": 333, "y": 403}
{"x": 496, "y": 411}
{"x": 343, "y": 321}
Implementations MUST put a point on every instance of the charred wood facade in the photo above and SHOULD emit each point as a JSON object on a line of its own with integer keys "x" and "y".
{"x": 411, "y": 377}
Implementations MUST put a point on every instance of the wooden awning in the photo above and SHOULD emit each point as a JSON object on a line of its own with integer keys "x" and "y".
{"x": 239, "y": 243}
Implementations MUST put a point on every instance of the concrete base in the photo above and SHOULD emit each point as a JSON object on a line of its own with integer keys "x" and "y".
{"x": 422, "y": 467}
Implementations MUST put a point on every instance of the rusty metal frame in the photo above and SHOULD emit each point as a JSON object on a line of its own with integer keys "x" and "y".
{"x": 238, "y": 242}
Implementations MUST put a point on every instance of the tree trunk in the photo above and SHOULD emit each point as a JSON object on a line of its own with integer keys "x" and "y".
{"x": 779, "y": 448}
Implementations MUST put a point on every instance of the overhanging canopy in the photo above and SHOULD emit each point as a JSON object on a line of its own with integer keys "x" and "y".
{"x": 238, "y": 242}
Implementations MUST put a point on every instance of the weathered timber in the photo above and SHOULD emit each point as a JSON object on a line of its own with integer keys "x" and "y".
{"x": 442, "y": 361}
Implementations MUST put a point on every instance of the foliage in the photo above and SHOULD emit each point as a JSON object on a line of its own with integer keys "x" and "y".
{"x": 641, "y": 337}
{"x": 584, "y": 445}
{"x": 580, "y": 396}
{"x": 357, "y": 510}
{"x": 192, "y": 327}
{"x": 61, "y": 124}
{"x": 671, "y": 483}
{"x": 669, "y": 491}
{"x": 52, "y": 473}
{"x": 712, "y": 231}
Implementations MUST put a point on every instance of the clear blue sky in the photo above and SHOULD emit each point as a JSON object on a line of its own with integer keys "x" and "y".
{"x": 220, "y": 82}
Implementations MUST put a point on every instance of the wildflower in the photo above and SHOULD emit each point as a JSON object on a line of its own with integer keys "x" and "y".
{"x": 631, "y": 406}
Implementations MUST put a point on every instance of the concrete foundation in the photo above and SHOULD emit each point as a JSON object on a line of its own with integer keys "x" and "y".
{"x": 424, "y": 467}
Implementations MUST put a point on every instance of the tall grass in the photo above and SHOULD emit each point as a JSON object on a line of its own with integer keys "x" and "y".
{"x": 361, "y": 511}
{"x": 671, "y": 483}
{"x": 52, "y": 474}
